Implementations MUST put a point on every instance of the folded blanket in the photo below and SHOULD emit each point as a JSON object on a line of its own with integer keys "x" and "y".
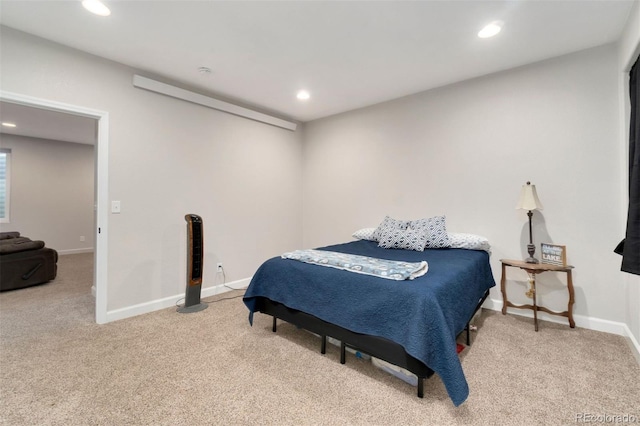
{"x": 381, "y": 268}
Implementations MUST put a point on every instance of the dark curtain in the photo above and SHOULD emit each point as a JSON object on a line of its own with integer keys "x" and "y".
{"x": 630, "y": 246}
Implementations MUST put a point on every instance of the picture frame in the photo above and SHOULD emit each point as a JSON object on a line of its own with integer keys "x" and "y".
{"x": 553, "y": 254}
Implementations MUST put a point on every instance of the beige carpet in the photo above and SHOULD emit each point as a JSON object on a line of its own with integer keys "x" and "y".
{"x": 164, "y": 368}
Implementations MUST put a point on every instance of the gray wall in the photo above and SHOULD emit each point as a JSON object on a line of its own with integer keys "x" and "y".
{"x": 52, "y": 192}
{"x": 462, "y": 150}
{"x": 168, "y": 158}
{"x": 466, "y": 149}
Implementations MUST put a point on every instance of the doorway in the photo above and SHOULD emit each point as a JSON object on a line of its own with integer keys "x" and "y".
{"x": 101, "y": 187}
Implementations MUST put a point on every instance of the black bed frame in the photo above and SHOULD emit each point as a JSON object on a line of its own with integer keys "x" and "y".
{"x": 377, "y": 347}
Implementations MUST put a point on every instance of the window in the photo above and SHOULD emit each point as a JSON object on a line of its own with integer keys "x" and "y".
{"x": 5, "y": 162}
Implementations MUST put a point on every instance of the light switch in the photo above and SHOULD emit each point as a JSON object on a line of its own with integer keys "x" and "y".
{"x": 115, "y": 206}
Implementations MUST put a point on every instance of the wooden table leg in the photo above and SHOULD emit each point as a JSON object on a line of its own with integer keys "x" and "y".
{"x": 572, "y": 324}
{"x": 503, "y": 290}
{"x": 535, "y": 306}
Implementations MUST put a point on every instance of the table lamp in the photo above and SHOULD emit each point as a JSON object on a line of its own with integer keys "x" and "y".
{"x": 529, "y": 201}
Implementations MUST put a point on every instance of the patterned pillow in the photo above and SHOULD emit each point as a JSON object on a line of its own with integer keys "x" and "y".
{"x": 409, "y": 239}
{"x": 469, "y": 242}
{"x": 364, "y": 234}
{"x": 389, "y": 224}
{"x": 437, "y": 236}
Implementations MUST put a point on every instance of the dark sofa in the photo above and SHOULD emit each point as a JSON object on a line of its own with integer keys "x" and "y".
{"x": 24, "y": 262}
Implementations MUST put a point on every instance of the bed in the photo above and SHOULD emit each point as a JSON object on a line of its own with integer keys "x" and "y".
{"x": 412, "y": 323}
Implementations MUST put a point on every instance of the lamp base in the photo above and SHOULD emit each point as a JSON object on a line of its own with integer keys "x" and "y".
{"x": 531, "y": 249}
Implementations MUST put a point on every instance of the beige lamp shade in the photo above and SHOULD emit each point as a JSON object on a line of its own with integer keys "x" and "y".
{"x": 529, "y": 198}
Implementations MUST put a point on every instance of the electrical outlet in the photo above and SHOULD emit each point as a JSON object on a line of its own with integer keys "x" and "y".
{"x": 219, "y": 267}
{"x": 81, "y": 237}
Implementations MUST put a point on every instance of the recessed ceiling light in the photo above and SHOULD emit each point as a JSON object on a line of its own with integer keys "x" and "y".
{"x": 491, "y": 29}
{"x": 204, "y": 70}
{"x": 97, "y": 7}
{"x": 303, "y": 95}
{"x": 5, "y": 124}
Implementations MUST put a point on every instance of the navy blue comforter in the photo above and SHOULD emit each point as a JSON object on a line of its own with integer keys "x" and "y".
{"x": 423, "y": 315}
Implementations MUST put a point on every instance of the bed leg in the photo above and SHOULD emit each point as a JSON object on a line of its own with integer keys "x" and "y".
{"x": 323, "y": 346}
{"x": 343, "y": 353}
{"x": 274, "y": 325}
{"x": 468, "y": 334}
{"x": 420, "y": 387}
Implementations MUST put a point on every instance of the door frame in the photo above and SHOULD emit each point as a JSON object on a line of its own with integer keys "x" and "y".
{"x": 101, "y": 187}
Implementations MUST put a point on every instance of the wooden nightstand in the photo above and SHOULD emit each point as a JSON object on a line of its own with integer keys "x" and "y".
{"x": 533, "y": 269}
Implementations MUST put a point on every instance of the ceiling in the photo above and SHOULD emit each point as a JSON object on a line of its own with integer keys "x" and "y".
{"x": 45, "y": 124}
{"x": 347, "y": 54}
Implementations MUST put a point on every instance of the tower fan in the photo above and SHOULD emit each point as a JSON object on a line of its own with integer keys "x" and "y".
{"x": 195, "y": 261}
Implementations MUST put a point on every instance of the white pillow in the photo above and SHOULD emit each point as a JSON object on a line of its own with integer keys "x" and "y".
{"x": 469, "y": 242}
{"x": 364, "y": 234}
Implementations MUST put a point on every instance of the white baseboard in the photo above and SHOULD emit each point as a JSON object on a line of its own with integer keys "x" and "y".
{"x": 582, "y": 321}
{"x": 496, "y": 305}
{"x": 633, "y": 344}
{"x": 75, "y": 251}
{"x": 171, "y": 301}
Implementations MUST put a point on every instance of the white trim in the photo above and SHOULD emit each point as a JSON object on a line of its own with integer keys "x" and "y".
{"x": 633, "y": 343}
{"x": 102, "y": 219}
{"x": 196, "y": 98}
{"x": 7, "y": 191}
{"x": 75, "y": 251}
{"x": 582, "y": 321}
{"x": 102, "y": 189}
{"x": 172, "y": 301}
{"x": 495, "y": 305}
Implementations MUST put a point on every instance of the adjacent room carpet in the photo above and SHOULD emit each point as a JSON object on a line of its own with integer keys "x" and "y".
{"x": 59, "y": 368}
